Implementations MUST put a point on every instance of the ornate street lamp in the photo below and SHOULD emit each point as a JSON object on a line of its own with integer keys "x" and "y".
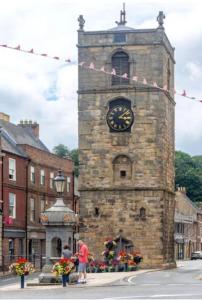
{"x": 59, "y": 183}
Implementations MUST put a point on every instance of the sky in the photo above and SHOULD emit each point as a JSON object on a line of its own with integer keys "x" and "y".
{"x": 45, "y": 90}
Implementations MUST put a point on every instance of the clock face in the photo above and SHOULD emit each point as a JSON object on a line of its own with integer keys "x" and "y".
{"x": 120, "y": 118}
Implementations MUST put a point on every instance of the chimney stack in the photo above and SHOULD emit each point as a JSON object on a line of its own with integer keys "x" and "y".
{"x": 29, "y": 124}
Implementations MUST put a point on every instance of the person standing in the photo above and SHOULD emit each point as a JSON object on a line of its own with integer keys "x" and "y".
{"x": 83, "y": 260}
{"x": 66, "y": 253}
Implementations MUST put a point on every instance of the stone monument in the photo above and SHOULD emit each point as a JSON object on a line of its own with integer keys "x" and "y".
{"x": 59, "y": 222}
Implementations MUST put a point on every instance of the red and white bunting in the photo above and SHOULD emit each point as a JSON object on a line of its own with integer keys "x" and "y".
{"x": 102, "y": 69}
{"x": 125, "y": 75}
{"x": 135, "y": 78}
{"x": 91, "y": 66}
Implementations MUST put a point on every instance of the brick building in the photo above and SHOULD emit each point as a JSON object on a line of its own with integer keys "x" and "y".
{"x": 26, "y": 176}
{"x": 188, "y": 226}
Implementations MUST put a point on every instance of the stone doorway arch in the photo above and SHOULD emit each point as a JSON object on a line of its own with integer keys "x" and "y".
{"x": 56, "y": 247}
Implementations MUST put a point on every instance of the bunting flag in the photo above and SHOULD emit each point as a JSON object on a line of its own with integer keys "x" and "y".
{"x": 102, "y": 69}
{"x": 184, "y": 93}
{"x": 91, "y": 66}
{"x": 135, "y": 78}
{"x": 31, "y": 51}
{"x": 125, "y": 75}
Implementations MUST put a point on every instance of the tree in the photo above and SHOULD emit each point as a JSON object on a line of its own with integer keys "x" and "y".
{"x": 61, "y": 150}
{"x": 188, "y": 173}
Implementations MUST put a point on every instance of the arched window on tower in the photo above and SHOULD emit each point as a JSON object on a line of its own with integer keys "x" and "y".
{"x": 168, "y": 75}
{"x": 120, "y": 63}
{"x": 142, "y": 213}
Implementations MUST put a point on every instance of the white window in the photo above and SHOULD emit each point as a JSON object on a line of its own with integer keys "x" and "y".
{"x": 42, "y": 177}
{"x": 51, "y": 179}
{"x": 32, "y": 209}
{"x": 12, "y": 169}
{"x": 68, "y": 184}
{"x": 32, "y": 174}
{"x": 43, "y": 205}
{"x": 12, "y": 205}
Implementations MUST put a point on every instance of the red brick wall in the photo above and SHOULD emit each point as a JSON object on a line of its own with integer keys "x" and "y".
{"x": 18, "y": 188}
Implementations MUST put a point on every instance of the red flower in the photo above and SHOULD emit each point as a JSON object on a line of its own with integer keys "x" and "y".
{"x": 21, "y": 260}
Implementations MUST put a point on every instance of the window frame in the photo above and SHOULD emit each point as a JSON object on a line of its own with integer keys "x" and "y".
{"x": 12, "y": 206}
{"x": 120, "y": 62}
{"x": 12, "y": 171}
{"x": 32, "y": 210}
{"x": 51, "y": 181}
{"x": 42, "y": 177}
{"x": 32, "y": 174}
{"x": 68, "y": 184}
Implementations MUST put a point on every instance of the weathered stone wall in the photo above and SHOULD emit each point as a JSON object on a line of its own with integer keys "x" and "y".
{"x": 149, "y": 147}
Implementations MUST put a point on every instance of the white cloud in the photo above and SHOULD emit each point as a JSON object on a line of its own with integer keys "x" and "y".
{"x": 50, "y": 26}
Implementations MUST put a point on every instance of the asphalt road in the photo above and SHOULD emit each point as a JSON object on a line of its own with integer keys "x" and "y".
{"x": 180, "y": 283}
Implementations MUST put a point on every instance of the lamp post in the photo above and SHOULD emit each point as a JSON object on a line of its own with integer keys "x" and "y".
{"x": 59, "y": 183}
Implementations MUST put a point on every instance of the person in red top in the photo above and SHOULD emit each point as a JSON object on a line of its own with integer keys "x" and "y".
{"x": 83, "y": 260}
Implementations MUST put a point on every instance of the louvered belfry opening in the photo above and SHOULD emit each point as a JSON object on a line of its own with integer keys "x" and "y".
{"x": 120, "y": 62}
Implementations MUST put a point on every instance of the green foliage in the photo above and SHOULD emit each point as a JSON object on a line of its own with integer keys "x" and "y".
{"x": 188, "y": 173}
{"x": 63, "y": 151}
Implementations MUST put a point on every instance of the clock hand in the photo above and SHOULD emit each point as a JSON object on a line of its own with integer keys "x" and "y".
{"x": 122, "y": 116}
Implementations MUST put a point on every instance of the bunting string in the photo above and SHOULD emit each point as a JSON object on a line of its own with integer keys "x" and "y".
{"x": 91, "y": 66}
{"x": 136, "y": 79}
{"x": 31, "y": 51}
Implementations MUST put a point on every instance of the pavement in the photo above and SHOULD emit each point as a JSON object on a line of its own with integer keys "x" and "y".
{"x": 93, "y": 280}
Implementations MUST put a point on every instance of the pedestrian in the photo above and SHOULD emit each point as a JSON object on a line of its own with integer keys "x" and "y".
{"x": 83, "y": 260}
{"x": 66, "y": 253}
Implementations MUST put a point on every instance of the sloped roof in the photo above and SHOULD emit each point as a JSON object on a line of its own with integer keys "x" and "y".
{"x": 16, "y": 135}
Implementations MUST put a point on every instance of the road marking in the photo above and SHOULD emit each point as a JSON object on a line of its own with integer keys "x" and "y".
{"x": 131, "y": 278}
{"x": 150, "y": 284}
{"x": 174, "y": 295}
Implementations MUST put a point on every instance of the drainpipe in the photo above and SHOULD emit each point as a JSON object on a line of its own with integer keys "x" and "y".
{"x": 26, "y": 205}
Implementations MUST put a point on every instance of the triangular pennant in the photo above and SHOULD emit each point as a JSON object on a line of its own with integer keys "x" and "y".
{"x": 125, "y": 75}
{"x": 82, "y": 63}
{"x": 165, "y": 88}
{"x": 102, "y": 69}
{"x": 184, "y": 93}
{"x": 155, "y": 84}
{"x": 17, "y": 48}
{"x": 113, "y": 72}
{"x": 144, "y": 81}
{"x": 91, "y": 66}
{"x": 31, "y": 51}
{"x": 135, "y": 78}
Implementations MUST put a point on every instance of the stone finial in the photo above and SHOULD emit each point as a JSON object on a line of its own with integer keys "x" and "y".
{"x": 81, "y": 22}
{"x": 122, "y": 16}
{"x": 160, "y": 18}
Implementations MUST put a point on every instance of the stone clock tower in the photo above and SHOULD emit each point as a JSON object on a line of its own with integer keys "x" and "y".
{"x": 126, "y": 140}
